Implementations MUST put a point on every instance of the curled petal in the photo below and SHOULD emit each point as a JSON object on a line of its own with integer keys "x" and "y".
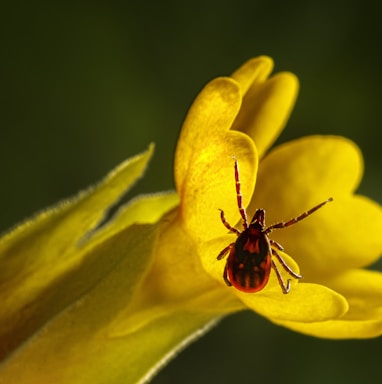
{"x": 204, "y": 166}
{"x": 267, "y": 103}
{"x": 211, "y": 114}
{"x": 305, "y": 302}
{"x": 363, "y": 291}
{"x": 253, "y": 71}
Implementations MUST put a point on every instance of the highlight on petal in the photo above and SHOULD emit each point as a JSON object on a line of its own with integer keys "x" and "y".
{"x": 363, "y": 291}
{"x": 303, "y": 173}
{"x": 305, "y": 302}
{"x": 266, "y": 108}
{"x": 42, "y": 262}
{"x": 203, "y": 164}
{"x": 210, "y": 115}
{"x": 211, "y": 186}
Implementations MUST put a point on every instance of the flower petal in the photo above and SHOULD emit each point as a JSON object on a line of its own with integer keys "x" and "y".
{"x": 314, "y": 166}
{"x": 305, "y": 302}
{"x": 255, "y": 70}
{"x": 204, "y": 166}
{"x": 298, "y": 175}
{"x": 211, "y": 114}
{"x": 266, "y": 108}
{"x": 363, "y": 290}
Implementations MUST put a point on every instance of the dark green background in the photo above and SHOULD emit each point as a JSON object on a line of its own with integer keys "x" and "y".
{"x": 88, "y": 84}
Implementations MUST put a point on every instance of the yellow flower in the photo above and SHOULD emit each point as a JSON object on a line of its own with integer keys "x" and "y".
{"x": 291, "y": 178}
{"x": 104, "y": 305}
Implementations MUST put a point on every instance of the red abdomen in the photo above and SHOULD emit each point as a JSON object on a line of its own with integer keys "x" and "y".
{"x": 249, "y": 263}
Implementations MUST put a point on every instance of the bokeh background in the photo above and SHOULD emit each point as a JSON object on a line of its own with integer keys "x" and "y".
{"x": 84, "y": 85}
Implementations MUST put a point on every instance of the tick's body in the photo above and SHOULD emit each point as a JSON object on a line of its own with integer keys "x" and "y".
{"x": 248, "y": 264}
{"x": 250, "y": 258}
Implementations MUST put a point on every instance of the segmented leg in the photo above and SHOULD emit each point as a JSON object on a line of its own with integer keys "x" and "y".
{"x": 284, "y": 288}
{"x": 228, "y": 225}
{"x": 285, "y": 265}
{"x": 225, "y": 276}
{"x": 239, "y": 196}
{"x": 276, "y": 244}
{"x": 296, "y": 219}
{"x": 221, "y": 256}
{"x": 226, "y": 250}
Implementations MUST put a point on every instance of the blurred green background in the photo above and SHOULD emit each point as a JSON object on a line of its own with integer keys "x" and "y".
{"x": 85, "y": 85}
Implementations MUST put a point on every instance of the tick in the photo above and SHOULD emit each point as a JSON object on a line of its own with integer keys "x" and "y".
{"x": 252, "y": 256}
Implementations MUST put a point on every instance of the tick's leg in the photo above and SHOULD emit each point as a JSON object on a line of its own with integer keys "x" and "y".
{"x": 285, "y": 288}
{"x": 227, "y": 225}
{"x": 225, "y": 251}
{"x": 285, "y": 265}
{"x": 242, "y": 210}
{"x": 276, "y": 244}
{"x": 220, "y": 256}
{"x": 298, "y": 218}
{"x": 225, "y": 276}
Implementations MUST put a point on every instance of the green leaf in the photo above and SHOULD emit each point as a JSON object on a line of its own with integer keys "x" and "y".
{"x": 43, "y": 265}
{"x": 84, "y": 343}
{"x": 71, "y": 310}
{"x": 75, "y": 342}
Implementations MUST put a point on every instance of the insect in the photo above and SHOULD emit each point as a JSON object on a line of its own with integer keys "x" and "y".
{"x": 252, "y": 256}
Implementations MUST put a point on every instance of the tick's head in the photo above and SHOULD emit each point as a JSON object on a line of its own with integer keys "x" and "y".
{"x": 258, "y": 218}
